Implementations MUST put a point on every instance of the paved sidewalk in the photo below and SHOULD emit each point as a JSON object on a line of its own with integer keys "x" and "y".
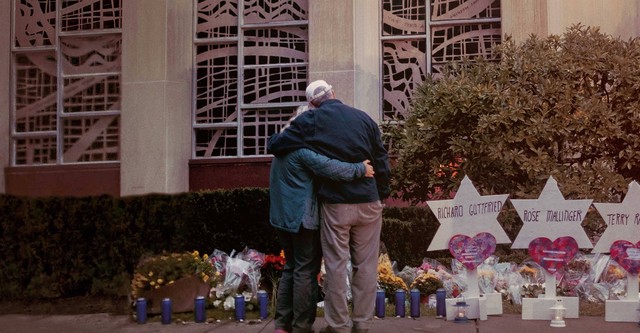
{"x": 103, "y": 323}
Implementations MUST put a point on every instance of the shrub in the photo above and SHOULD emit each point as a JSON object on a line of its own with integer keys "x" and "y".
{"x": 566, "y": 106}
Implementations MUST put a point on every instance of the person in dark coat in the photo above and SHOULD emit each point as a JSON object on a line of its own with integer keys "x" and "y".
{"x": 351, "y": 211}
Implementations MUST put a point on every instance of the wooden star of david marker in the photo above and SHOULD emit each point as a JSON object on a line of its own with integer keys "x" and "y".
{"x": 551, "y": 216}
{"x": 622, "y": 220}
{"x": 468, "y": 213}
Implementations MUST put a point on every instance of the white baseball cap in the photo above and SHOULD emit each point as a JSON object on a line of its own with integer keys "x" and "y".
{"x": 316, "y": 89}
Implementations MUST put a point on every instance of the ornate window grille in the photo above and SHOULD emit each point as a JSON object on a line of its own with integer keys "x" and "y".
{"x": 250, "y": 73}
{"x": 65, "y": 81}
{"x": 419, "y": 36}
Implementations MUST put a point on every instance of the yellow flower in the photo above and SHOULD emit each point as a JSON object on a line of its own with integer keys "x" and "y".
{"x": 154, "y": 272}
{"x": 427, "y": 283}
{"x": 205, "y": 257}
{"x": 386, "y": 278}
{"x": 196, "y": 253}
{"x": 528, "y": 270}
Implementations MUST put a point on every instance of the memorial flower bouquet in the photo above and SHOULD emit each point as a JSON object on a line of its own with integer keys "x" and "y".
{"x": 387, "y": 279}
{"x": 487, "y": 278}
{"x": 614, "y": 273}
{"x": 614, "y": 277}
{"x": 532, "y": 279}
{"x": 452, "y": 284}
{"x": 427, "y": 283}
{"x": 577, "y": 272}
{"x": 272, "y": 271}
{"x": 531, "y": 272}
{"x": 205, "y": 269}
{"x": 242, "y": 272}
{"x": 408, "y": 274}
{"x": 156, "y": 271}
{"x": 273, "y": 266}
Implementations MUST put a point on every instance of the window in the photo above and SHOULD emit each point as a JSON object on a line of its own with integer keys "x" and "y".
{"x": 419, "y": 36}
{"x": 66, "y": 81}
{"x": 250, "y": 73}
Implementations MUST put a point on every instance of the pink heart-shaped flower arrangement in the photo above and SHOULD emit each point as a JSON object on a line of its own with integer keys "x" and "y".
{"x": 553, "y": 256}
{"x": 627, "y": 255}
{"x": 471, "y": 252}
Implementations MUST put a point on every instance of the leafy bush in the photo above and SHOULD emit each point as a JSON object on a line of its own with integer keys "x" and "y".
{"x": 566, "y": 106}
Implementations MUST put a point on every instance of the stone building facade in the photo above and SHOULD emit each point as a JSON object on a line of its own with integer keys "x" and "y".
{"x": 165, "y": 96}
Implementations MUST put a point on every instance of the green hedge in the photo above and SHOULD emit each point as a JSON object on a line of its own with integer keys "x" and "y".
{"x": 63, "y": 246}
{"x": 58, "y": 247}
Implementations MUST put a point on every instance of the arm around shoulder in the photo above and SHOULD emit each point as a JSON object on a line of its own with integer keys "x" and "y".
{"x": 330, "y": 168}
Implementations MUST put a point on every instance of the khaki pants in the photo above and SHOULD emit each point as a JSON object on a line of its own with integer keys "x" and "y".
{"x": 350, "y": 231}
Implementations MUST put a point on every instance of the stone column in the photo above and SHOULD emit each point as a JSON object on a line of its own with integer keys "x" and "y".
{"x": 344, "y": 50}
{"x": 157, "y": 55}
{"x": 5, "y": 89}
{"x": 367, "y": 48}
{"x": 522, "y": 18}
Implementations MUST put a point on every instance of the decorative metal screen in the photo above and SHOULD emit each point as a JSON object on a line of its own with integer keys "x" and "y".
{"x": 419, "y": 36}
{"x": 250, "y": 73}
{"x": 66, "y": 82}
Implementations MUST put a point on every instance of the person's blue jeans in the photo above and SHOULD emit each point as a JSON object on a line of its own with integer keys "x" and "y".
{"x": 298, "y": 289}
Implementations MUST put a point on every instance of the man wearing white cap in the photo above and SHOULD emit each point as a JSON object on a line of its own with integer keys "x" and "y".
{"x": 352, "y": 211}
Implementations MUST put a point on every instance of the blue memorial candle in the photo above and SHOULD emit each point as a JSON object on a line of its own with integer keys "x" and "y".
{"x": 380, "y": 304}
{"x": 166, "y": 311}
{"x": 263, "y": 299}
{"x": 441, "y": 305}
{"x": 239, "y": 303}
{"x": 199, "y": 311}
{"x": 400, "y": 306}
{"x": 141, "y": 310}
{"x": 415, "y": 303}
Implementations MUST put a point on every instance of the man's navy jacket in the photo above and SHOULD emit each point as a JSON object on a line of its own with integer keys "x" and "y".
{"x": 344, "y": 133}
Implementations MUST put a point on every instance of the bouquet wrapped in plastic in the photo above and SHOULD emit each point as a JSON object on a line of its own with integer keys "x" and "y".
{"x": 614, "y": 277}
{"x": 488, "y": 275}
{"x": 531, "y": 280}
{"x": 509, "y": 281}
{"x": 454, "y": 284}
{"x": 577, "y": 272}
{"x": 241, "y": 273}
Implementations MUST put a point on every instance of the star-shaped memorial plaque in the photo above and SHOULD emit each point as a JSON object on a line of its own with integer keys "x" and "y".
{"x": 468, "y": 213}
{"x": 622, "y": 220}
{"x": 551, "y": 216}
